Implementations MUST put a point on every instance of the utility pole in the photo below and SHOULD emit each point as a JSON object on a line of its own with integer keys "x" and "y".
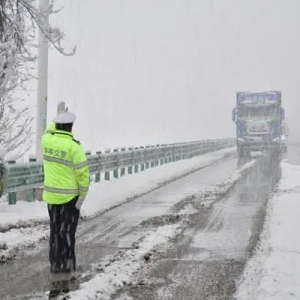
{"x": 42, "y": 88}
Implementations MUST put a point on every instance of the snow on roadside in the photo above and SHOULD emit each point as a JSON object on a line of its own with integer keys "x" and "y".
{"x": 274, "y": 270}
{"x": 112, "y": 193}
{"x": 22, "y": 214}
{"x": 15, "y": 239}
{"x": 121, "y": 272}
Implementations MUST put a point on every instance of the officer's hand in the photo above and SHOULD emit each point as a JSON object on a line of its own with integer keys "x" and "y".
{"x": 61, "y": 107}
{"x": 79, "y": 202}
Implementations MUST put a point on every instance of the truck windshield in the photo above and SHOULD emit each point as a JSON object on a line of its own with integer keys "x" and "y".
{"x": 249, "y": 112}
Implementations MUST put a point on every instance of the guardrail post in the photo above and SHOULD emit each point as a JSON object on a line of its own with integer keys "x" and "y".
{"x": 199, "y": 148}
{"x": 12, "y": 197}
{"x": 162, "y": 161}
{"x": 107, "y": 173}
{"x": 31, "y": 192}
{"x": 203, "y": 146}
{"x": 187, "y": 151}
{"x": 177, "y": 153}
{"x": 123, "y": 169}
{"x": 98, "y": 174}
{"x": 166, "y": 160}
{"x": 136, "y": 167}
{"x": 183, "y": 156}
{"x": 173, "y": 153}
{"x": 182, "y": 152}
{"x": 156, "y": 158}
{"x": 116, "y": 171}
{"x": 143, "y": 163}
{"x": 87, "y": 153}
{"x": 147, "y": 166}
{"x": 170, "y": 153}
{"x": 153, "y": 161}
{"x": 132, "y": 156}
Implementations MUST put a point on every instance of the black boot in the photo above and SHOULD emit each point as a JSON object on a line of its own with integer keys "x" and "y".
{"x": 54, "y": 289}
{"x": 65, "y": 286}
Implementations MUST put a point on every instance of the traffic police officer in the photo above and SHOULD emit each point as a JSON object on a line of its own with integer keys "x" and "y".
{"x": 66, "y": 183}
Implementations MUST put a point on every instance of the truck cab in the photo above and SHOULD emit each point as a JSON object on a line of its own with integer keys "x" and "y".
{"x": 258, "y": 118}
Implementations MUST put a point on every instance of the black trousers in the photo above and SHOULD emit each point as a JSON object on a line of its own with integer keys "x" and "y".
{"x": 63, "y": 225}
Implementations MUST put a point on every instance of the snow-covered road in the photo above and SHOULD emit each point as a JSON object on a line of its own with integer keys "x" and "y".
{"x": 121, "y": 237}
{"x": 207, "y": 260}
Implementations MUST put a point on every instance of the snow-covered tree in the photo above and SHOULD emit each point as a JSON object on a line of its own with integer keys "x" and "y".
{"x": 19, "y": 21}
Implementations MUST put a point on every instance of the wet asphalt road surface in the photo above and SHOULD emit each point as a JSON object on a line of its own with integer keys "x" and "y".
{"x": 207, "y": 260}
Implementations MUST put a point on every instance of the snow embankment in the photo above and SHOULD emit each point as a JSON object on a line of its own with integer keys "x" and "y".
{"x": 23, "y": 214}
{"x": 17, "y": 239}
{"x": 274, "y": 271}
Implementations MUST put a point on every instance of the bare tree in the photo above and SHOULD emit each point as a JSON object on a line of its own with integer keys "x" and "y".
{"x": 19, "y": 20}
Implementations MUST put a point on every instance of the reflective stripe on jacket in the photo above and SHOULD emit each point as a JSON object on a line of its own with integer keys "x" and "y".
{"x": 66, "y": 169}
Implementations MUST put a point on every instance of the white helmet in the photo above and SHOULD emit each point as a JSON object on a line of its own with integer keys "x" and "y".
{"x": 65, "y": 118}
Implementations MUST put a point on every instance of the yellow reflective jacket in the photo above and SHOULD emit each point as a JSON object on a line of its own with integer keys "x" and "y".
{"x": 66, "y": 170}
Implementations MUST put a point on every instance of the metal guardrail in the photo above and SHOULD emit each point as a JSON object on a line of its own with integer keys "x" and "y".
{"x": 29, "y": 176}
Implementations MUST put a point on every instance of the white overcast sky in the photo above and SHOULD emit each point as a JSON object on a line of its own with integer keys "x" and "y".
{"x": 167, "y": 70}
